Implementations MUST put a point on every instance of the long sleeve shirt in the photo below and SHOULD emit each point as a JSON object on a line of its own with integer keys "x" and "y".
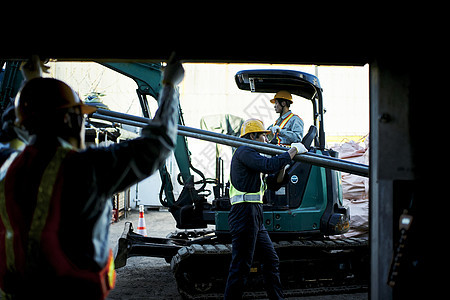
{"x": 90, "y": 178}
{"x": 247, "y": 165}
{"x": 292, "y": 131}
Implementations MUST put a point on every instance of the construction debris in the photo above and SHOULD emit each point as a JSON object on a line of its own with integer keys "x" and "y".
{"x": 355, "y": 189}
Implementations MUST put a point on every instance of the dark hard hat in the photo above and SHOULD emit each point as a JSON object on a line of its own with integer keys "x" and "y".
{"x": 41, "y": 98}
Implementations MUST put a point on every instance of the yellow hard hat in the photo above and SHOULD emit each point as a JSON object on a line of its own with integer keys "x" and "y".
{"x": 253, "y": 125}
{"x": 282, "y": 95}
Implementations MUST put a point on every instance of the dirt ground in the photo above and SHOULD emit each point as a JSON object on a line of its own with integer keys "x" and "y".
{"x": 151, "y": 278}
{"x": 145, "y": 277}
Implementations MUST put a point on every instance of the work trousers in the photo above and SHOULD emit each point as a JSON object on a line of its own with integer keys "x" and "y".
{"x": 249, "y": 234}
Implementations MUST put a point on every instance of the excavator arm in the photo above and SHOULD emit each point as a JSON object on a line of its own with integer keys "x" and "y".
{"x": 190, "y": 209}
{"x": 148, "y": 79}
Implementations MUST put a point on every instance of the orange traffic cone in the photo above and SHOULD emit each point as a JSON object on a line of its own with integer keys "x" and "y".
{"x": 141, "y": 223}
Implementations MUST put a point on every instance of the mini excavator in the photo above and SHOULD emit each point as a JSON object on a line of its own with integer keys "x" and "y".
{"x": 303, "y": 214}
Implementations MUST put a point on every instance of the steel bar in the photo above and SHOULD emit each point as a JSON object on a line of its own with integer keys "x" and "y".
{"x": 119, "y": 120}
{"x": 106, "y": 112}
{"x": 311, "y": 158}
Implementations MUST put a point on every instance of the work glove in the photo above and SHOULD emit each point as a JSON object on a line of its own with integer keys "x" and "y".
{"x": 275, "y": 129}
{"x": 173, "y": 73}
{"x": 33, "y": 68}
{"x": 300, "y": 148}
{"x": 166, "y": 117}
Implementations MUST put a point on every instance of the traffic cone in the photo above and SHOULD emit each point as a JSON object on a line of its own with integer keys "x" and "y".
{"x": 141, "y": 223}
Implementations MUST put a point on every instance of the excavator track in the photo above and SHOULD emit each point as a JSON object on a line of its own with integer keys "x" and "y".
{"x": 307, "y": 267}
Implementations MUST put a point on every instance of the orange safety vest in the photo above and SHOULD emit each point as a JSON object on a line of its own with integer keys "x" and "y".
{"x": 21, "y": 252}
{"x": 283, "y": 123}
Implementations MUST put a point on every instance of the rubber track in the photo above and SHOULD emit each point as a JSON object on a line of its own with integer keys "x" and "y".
{"x": 211, "y": 253}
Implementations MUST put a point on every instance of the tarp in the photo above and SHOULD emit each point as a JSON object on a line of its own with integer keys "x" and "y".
{"x": 226, "y": 124}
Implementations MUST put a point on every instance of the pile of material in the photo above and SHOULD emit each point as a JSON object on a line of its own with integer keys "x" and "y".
{"x": 355, "y": 189}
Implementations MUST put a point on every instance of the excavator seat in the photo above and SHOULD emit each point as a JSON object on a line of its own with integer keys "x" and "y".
{"x": 309, "y": 137}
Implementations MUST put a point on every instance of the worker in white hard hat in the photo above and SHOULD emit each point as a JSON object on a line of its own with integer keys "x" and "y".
{"x": 288, "y": 128}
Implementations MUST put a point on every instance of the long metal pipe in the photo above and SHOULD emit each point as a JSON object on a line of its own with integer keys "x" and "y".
{"x": 311, "y": 158}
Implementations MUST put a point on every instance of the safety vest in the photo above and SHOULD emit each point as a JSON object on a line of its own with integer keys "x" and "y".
{"x": 283, "y": 123}
{"x": 237, "y": 196}
{"x": 21, "y": 256}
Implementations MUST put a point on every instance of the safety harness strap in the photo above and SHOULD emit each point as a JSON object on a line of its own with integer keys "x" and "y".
{"x": 282, "y": 124}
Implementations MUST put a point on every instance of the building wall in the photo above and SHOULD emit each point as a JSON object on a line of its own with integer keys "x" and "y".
{"x": 210, "y": 89}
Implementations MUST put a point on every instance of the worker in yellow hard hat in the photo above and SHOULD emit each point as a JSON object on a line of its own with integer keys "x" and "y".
{"x": 246, "y": 216}
{"x": 288, "y": 128}
{"x": 253, "y": 126}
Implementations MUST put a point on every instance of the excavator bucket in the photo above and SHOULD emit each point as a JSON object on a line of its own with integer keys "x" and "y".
{"x": 132, "y": 244}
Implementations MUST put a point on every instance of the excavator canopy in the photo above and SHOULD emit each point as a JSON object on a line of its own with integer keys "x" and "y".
{"x": 271, "y": 81}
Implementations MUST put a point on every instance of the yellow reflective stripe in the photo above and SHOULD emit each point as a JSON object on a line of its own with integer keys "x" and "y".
{"x": 286, "y": 120}
{"x": 44, "y": 197}
{"x": 9, "y": 234}
{"x": 40, "y": 215}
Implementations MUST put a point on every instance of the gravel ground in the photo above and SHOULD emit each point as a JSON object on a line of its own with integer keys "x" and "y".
{"x": 145, "y": 277}
{"x": 151, "y": 278}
